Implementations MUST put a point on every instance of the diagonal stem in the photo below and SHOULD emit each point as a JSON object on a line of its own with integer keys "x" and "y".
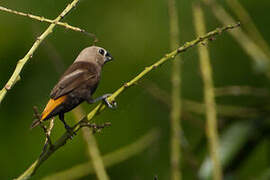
{"x": 249, "y": 25}
{"x": 251, "y": 48}
{"x": 64, "y": 138}
{"x": 43, "y": 19}
{"x": 21, "y": 63}
{"x": 120, "y": 155}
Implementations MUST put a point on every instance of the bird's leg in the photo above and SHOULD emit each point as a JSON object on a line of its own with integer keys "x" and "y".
{"x": 104, "y": 98}
{"x": 67, "y": 127}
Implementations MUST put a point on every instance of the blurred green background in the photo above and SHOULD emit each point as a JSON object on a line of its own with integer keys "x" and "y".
{"x": 136, "y": 33}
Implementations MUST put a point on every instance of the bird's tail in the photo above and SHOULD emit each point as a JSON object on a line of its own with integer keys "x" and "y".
{"x": 51, "y": 105}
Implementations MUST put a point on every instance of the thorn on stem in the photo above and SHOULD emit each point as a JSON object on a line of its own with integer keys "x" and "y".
{"x": 126, "y": 85}
{"x": 212, "y": 38}
{"x": 95, "y": 127}
{"x": 7, "y": 87}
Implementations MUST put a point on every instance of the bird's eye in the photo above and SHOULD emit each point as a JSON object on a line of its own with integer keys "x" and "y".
{"x": 101, "y": 51}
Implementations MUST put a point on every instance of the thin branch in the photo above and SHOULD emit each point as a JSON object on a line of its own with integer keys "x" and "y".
{"x": 116, "y": 157}
{"x": 249, "y": 25}
{"x": 16, "y": 74}
{"x": 223, "y": 110}
{"x": 209, "y": 95}
{"x": 251, "y": 48}
{"x": 241, "y": 90}
{"x": 47, "y": 132}
{"x": 176, "y": 95}
{"x": 199, "y": 108}
{"x": 92, "y": 149}
{"x": 43, "y": 19}
{"x": 63, "y": 139}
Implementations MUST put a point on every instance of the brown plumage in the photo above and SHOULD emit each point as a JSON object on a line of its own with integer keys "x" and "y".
{"x": 77, "y": 84}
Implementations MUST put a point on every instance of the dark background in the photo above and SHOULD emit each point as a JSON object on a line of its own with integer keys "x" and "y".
{"x": 136, "y": 33}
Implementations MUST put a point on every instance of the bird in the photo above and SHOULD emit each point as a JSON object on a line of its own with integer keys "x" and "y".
{"x": 76, "y": 85}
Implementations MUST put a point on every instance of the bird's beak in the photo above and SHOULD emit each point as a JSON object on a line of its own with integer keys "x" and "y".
{"x": 108, "y": 57}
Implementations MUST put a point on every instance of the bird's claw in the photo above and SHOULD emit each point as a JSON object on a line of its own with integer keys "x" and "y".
{"x": 112, "y": 105}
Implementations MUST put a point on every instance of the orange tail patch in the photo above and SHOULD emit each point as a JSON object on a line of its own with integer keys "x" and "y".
{"x": 51, "y": 105}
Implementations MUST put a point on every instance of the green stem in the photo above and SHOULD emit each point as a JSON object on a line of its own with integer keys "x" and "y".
{"x": 63, "y": 139}
{"x": 175, "y": 97}
{"x": 118, "y": 156}
{"x": 209, "y": 95}
{"x": 249, "y": 25}
{"x": 42, "y": 19}
{"x": 250, "y": 47}
{"x": 92, "y": 148}
{"x": 16, "y": 74}
{"x": 199, "y": 108}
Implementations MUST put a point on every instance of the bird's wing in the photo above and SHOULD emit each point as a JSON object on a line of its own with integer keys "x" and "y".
{"x": 71, "y": 81}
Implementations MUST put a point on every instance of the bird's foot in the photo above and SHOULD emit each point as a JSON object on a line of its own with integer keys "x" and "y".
{"x": 112, "y": 105}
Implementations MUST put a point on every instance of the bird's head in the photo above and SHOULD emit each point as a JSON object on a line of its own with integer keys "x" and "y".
{"x": 94, "y": 54}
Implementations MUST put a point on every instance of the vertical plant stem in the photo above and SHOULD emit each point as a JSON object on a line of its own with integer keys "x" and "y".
{"x": 93, "y": 150}
{"x": 118, "y": 156}
{"x": 175, "y": 97}
{"x": 209, "y": 96}
{"x": 232, "y": 141}
{"x": 100, "y": 107}
{"x": 249, "y": 25}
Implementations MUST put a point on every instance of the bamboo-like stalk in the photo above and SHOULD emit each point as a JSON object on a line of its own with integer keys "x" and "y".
{"x": 16, "y": 74}
{"x": 250, "y": 47}
{"x": 63, "y": 139}
{"x": 43, "y": 19}
{"x": 249, "y": 25}
{"x": 115, "y": 157}
{"x": 175, "y": 114}
{"x": 92, "y": 148}
{"x": 233, "y": 139}
{"x": 209, "y": 95}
